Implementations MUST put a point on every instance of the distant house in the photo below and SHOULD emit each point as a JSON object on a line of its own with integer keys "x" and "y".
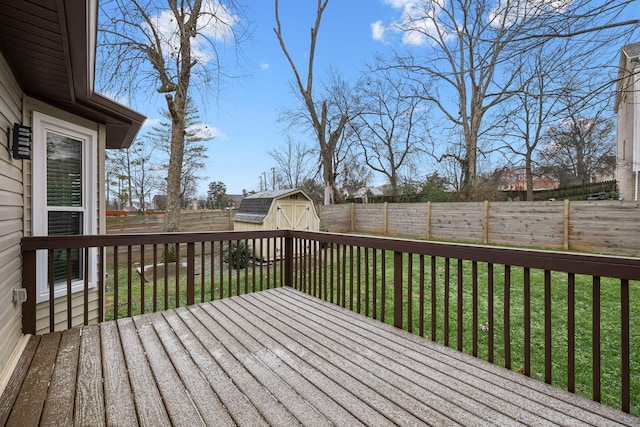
{"x": 231, "y": 201}
{"x": 159, "y": 202}
{"x": 516, "y": 180}
{"x": 54, "y": 184}
{"x": 627, "y": 108}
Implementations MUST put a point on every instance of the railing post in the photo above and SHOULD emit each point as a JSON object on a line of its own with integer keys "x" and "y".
{"x": 288, "y": 261}
{"x": 191, "y": 255}
{"x": 29, "y": 282}
{"x": 397, "y": 289}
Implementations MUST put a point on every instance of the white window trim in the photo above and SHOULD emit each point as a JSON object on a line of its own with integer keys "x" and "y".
{"x": 41, "y": 123}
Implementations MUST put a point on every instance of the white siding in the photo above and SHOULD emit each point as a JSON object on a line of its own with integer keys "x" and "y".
{"x": 11, "y": 216}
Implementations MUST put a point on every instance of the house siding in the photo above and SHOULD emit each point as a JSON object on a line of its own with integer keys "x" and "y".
{"x": 11, "y": 216}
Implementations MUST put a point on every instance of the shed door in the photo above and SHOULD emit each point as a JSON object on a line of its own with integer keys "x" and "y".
{"x": 292, "y": 215}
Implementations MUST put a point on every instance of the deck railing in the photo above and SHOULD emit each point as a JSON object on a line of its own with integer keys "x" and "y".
{"x": 571, "y": 320}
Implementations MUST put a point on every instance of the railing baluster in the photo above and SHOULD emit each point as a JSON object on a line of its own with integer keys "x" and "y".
{"x": 177, "y": 298}
{"x": 422, "y": 282}
{"x": 571, "y": 332}
{"x": 625, "y": 346}
{"x": 596, "y": 327}
{"x": 447, "y": 273}
{"x": 203, "y": 255}
{"x": 69, "y": 291}
{"x": 460, "y": 302}
{"x": 366, "y": 281}
{"x": 142, "y": 279}
{"x": 474, "y": 309}
{"x": 268, "y": 261}
{"x": 359, "y": 280}
{"x": 166, "y": 275}
{"x": 490, "y": 310}
{"x": 101, "y": 284}
{"x": 253, "y": 266}
{"x": 129, "y": 284}
{"x": 212, "y": 270}
{"x": 52, "y": 290}
{"x": 410, "y": 293}
{"x": 374, "y": 278}
{"x": 221, "y": 267}
{"x": 155, "y": 277}
{"x": 397, "y": 289}
{"x": 527, "y": 321}
{"x": 434, "y": 313}
{"x": 547, "y": 328}
{"x": 116, "y": 284}
{"x": 191, "y": 257}
{"x": 350, "y": 277}
{"x": 344, "y": 276}
{"x": 383, "y": 297}
{"x": 86, "y": 287}
{"x": 507, "y": 316}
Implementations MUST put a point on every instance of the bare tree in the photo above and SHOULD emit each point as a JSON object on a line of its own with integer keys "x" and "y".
{"x": 578, "y": 148}
{"x": 171, "y": 47}
{"x": 327, "y": 126}
{"x": 194, "y": 151}
{"x": 292, "y": 163}
{"x": 389, "y": 129}
{"x": 466, "y": 48}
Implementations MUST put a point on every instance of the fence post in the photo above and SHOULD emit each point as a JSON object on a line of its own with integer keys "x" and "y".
{"x": 485, "y": 223}
{"x": 397, "y": 289}
{"x": 565, "y": 219}
{"x": 29, "y": 282}
{"x": 428, "y": 220}
{"x": 351, "y": 216}
{"x": 386, "y": 219}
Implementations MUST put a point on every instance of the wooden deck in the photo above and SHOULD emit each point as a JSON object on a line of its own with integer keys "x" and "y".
{"x": 277, "y": 357}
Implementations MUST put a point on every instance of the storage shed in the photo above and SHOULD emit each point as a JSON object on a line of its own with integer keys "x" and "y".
{"x": 274, "y": 210}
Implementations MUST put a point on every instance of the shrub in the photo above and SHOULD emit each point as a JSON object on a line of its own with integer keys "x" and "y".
{"x": 237, "y": 253}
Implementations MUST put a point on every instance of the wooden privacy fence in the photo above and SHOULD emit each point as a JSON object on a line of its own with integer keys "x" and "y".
{"x": 197, "y": 221}
{"x": 608, "y": 227}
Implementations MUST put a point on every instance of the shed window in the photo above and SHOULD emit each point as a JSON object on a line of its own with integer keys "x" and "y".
{"x": 64, "y": 198}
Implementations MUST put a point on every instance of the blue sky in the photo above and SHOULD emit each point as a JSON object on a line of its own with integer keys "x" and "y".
{"x": 243, "y": 116}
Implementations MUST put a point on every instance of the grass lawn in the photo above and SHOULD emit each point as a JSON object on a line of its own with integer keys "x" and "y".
{"x": 360, "y": 295}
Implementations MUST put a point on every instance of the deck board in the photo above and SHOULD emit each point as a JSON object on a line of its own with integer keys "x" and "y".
{"x": 12, "y": 389}
{"x": 33, "y": 393}
{"x": 277, "y": 357}
{"x": 90, "y": 397}
{"x": 119, "y": 406}
{"x": 58, "y": 408}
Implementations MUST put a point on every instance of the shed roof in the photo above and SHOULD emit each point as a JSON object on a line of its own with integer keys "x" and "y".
{"x": 255, "y": 207}
{"x": 632, "y": 50}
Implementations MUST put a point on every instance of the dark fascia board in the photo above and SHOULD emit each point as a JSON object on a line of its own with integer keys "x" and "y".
{"x": 81, "y": 32}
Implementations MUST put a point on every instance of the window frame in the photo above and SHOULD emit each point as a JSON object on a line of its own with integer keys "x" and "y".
{"x": 43, "y": 124}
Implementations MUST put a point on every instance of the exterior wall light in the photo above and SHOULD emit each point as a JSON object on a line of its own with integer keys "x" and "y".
{"x": 22, "y": 141}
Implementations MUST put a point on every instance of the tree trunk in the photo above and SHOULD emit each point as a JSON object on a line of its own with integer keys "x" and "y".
{"x": 174, "y": 201}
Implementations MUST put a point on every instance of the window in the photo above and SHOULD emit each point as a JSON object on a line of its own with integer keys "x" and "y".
{"x": 64, "y": 198}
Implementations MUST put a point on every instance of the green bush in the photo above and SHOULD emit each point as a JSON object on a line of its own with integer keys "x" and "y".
{"x": 237, "y": 253}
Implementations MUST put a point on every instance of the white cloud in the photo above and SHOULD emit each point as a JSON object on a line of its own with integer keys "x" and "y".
{"x": 202, "y": 130}
{"x": 416, "y": 20}
{"x": 514, "y": 12}
{"x": 264, "y": 66}
{"x": 378, "y": 30}
{"x": 215, "y": 22}
{"x": 151, "y": 122}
